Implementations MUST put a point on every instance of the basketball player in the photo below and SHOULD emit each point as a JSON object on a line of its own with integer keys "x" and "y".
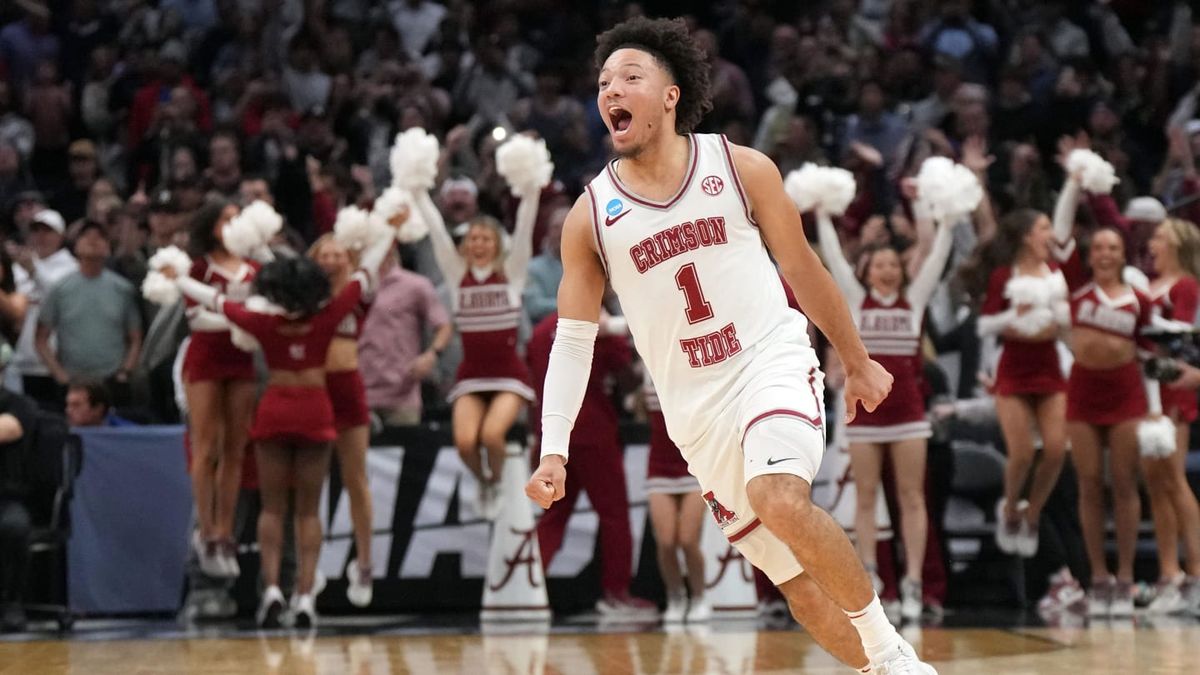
{"x": 677, "y": 224}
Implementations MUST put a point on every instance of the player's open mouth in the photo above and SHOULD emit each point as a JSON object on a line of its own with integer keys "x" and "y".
{"x": 620, "y": 118}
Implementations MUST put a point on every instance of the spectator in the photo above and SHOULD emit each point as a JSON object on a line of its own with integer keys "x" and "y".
{"x": 224, "y": 173}
{"x": 40, "y": 266}
{"x": 417, "y": 21}
{"x": 406, "y": 307}
{"x": 28, "y": 42}
{"x": 94, "y": 313}
{"x": 875, "y": 126}
{"x": 306, "y": 85}
{"x": 71, "y": 201}
{"x": 955, "y": 33}
{"x": 546, "y": 271}
{"x": 15, "y": 129}
{"x": 17, "y": 415}
{"x": 489, "y": 88}
{"x": 13, "y": 179}
{"x": 89, "y": 404}
{"x": 149, "y": 99}
{"x": 48, "y": 106}
{"x": 931, "y": 110}
{"x": 732, "y": 98}
{"x": 13, "y": 303}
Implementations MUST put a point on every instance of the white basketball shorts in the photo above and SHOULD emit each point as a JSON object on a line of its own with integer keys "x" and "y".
{"x": 775, "y": 426}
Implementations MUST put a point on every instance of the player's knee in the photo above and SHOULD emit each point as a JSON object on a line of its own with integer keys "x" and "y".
{"x": 778, "y": 498}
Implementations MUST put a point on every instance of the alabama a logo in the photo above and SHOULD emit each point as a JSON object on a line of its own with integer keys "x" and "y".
{"x": 723, "y": 515}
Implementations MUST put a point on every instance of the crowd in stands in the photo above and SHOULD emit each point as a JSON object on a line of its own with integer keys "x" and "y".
{"x": 120, "y": 120}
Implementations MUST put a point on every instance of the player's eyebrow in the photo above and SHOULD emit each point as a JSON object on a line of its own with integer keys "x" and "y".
{"x": 622, "y": 65}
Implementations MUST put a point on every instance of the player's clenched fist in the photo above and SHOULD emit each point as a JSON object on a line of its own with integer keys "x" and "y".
{"x": 869, "y": 384}
{"x": 548, "y": 483}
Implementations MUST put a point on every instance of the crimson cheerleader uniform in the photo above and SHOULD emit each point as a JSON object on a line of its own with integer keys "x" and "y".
{"x": 891, "y": 330}
{"x": 211, "y": 354}
{"x": 1025, "y": 367}
{"x": 667, "y": 470}
{"x": 488, "y": 312}
{"x": 347, "y": 393}
{"x": 1178, "y": 302}
{"x": 1104, "y": 397}
{"x": 290, "y": 413}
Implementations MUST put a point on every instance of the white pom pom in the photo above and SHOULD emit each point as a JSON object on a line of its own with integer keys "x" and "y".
{"x": 353, "y": 228}
{"x": 1136, "y": 278}
{"x": 242, "y": 340}
{"x": 391, "y": 202}
{"x": 819, "y": 188}
{"x": 1026, "y": 290}
{"x": 951, "y": 190}
{"x": 172, "y": 257}
{"x": 1156, "y": 437}
{"x": 241, "y": 237}
{"x": 160, "y": 290}
{"x": 1096, "y": 175}
{"x": 267, "y": 222}
{"x": 413, "y": 160}
{"x": 525, "y": 164}
{"x": 1034, "y": 321}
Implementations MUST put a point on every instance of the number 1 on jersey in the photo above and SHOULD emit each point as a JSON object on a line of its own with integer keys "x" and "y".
{"x": 688, "y": 281}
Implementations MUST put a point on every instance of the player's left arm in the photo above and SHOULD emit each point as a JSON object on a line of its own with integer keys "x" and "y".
{"x": 818, "y": 295}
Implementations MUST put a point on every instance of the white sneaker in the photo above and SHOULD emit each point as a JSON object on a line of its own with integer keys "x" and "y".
{"x": 1100, "y": 597}
{"x": 359, "y": 589}
{"x": 208, "y": 556}
{"x": 1064, "y": 595}
{"x": 676, "y": 610}
{"x": 1191, "y": 594}
{"x": 228, "y": 553}
{"x": 1006, "y": 534}
{"x": 1122, "y": 601}
{"x": 625, "y": 606}
{"x": 910, "y": 599}
{"x": 1027, "y": 539}
{"x": 699, "y": 611}
{"x": 304, "y": 612}
{"x": 489, "y": 500}
{"x": 271, "y": 608}
{"x": 903, "y": 662}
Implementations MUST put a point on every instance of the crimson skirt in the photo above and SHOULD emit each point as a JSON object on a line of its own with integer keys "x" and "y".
{"x": 1106, "y": 397}
{"x": 212, "y": 357}
{"x": 667, "y": 470}
{"x": 348, "y": 396}
{"x": 294, "y": 415}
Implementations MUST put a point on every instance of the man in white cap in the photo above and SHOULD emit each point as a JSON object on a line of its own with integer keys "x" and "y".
{"x": 41, "y": 264}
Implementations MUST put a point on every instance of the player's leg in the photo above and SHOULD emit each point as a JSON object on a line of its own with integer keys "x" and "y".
{"x": 1051, "y": 419}
{"x": 1087, "y": 454}
{"x": 824, "y": 621}
{"x": 908, "y": 462}
{"x": 467, "y": 419}
{"x": 866, "y": 464}
{"x": 501, "y": 413}
{"x": 1016, "y": 417}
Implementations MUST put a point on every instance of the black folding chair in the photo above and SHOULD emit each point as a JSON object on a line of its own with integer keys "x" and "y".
{"x": 54, "y": 458}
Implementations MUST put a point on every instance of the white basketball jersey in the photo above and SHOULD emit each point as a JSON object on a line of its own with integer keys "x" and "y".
{"x": 695, "y": 282}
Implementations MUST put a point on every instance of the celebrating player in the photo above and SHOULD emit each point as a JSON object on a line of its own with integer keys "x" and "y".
{"x": 678, "y": 224}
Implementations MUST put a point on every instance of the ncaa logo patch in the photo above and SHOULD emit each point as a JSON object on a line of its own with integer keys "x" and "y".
{"x": 614, "y": 207}
{"x": 712, "y": 186}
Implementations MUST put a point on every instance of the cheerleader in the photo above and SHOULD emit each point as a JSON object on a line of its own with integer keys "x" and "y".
{"x": 1025, "y": 309}
{"x": 220, "y": 386}
{"x": 351, "y": 417}
{"x": 1175, "y": 254}
{"x": 1107, "y": 397}
{"x": 677, "y": 514}
{"x": 294, "y": 422}
{"x": 486, "y": 280}
{"x": 889, "y": 313}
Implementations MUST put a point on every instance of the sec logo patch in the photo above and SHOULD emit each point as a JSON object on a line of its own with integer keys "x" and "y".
{"x": 712, "y": 185}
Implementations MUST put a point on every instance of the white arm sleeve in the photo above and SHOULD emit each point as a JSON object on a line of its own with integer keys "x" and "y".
{"x": 566, "y": 382}
{"x": 199, "y": 292}
{"x": 994, "y": 324}
{"x": 1064, "y": 219}
{"x": 444, "y": 252}
{"x": 201, "y": 320}
{"x": 926, "y": 281}
{"x": 835, "y": 260}
{"x": 516, "y": 265}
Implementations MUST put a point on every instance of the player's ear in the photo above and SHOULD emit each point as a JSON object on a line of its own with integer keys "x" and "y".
{"x": 671, "y": 97}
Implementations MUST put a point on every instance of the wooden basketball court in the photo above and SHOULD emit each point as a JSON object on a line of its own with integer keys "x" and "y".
{"x": 1105, "y": 648}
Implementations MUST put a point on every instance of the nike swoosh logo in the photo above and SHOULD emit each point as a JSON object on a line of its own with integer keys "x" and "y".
{"x": 772, "y": 461}
{"x": 609, "y": 221}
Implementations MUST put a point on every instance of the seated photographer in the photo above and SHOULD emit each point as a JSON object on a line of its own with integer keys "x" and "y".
{"x": 89, "y": 404}
{"x": 17, "y": 413}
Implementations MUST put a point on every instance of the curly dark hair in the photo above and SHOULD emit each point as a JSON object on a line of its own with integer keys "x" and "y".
{"x": 297, "y": 285}
{"x": 1000, "y": 251}
{"x": 673, "y": 48}
{"x": 201, "y": 238}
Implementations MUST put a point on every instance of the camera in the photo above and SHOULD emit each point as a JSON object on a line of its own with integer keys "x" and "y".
{"x": 1175, "y": 346}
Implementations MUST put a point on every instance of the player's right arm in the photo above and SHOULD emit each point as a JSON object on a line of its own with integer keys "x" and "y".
{"x": 579, "y": 299}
